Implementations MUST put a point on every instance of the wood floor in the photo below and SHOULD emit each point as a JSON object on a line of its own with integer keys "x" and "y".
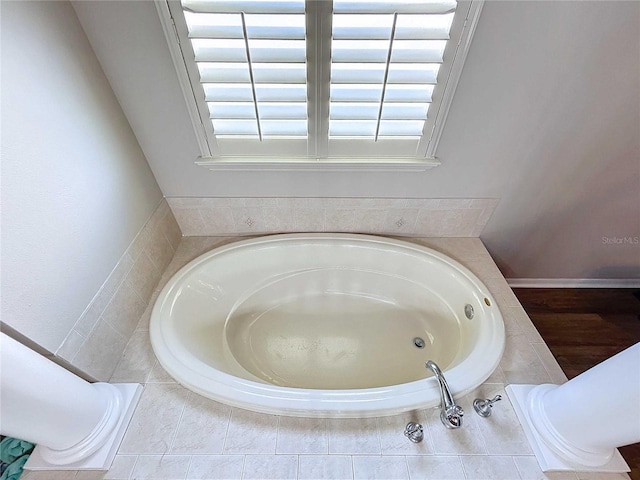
{"x": 584, "y": 327}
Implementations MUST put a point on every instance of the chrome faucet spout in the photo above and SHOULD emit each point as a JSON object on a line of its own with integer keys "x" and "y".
{"x": 450, "y": 413}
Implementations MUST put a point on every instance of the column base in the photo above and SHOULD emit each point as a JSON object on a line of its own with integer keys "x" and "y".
{"x": 549, "y": 460}
{"x": 102, "y": 458}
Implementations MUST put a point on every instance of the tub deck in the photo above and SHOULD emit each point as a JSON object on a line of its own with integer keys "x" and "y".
{"x": 180, "y": 435}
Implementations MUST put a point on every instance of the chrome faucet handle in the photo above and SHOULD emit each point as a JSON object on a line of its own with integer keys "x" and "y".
{"x": 483, "y": 406}
{"x": 414, "y": 432}
{"x": 452, "y": 417}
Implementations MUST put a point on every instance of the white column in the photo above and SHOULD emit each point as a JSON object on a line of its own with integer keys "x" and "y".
{"x": 43, "y": 403}
{"x": 583, "y": 421}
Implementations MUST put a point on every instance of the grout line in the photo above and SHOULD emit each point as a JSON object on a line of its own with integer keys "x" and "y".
{"x": 175, "y": 433}
{"x": 226, "y": 433}
{"x": 133, "y": 469}
{"x": 244, "y": 465}
{"x": 189, "y": 467}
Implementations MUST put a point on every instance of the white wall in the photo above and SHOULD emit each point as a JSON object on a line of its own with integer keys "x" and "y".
{"x": 546, "y": 118}
{"x": 76, "y": 187}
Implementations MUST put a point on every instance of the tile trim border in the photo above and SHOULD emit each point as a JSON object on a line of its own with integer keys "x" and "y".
{"x": 411, "y": 217}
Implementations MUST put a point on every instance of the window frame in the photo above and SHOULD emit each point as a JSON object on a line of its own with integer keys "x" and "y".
{"x": 175, "y": 30}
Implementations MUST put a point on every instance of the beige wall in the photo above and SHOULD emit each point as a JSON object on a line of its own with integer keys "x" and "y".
{"x": 76, "y": 187}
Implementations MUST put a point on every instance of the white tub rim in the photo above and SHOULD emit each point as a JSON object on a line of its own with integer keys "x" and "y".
{"x": 350, "y": 403}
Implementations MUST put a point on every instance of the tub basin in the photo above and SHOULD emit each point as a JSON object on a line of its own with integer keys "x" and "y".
{"x": 326, "y": 325}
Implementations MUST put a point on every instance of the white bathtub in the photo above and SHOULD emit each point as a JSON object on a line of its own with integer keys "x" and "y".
{"x": 323, "y": 325}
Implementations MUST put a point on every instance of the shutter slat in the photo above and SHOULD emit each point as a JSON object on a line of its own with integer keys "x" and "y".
{"x": 230, "y": 92}
{"x": 267, "y": 110}
{"x": 395, "y": 128}
{"x": 353, "y": 111}
{"x": 375, "y": 51}
{"x": 212, "y": 72}
{"x": 352, "y": 128}
{"x": 262, "y": 51}
{"x": 232, "y": 110}
{"x": 235, "y": 127}
{"x": 283, "y": 110}
{"x": 372, "y": 93}
{"x": 386, "y": 6}
{"x": 213, "y": 25}
{"x": 284, "y": 127}
{"x": 405, "y": 111}
{"x": 378, "y": 27}
{"x": 357, "y": 72}
{"x": 221, "y": 92}
{"x": 246, "y": 6}
{"x": 425, "y": 73}
{"x": 369, "y": 111}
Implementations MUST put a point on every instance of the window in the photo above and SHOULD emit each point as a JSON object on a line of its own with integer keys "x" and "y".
{"x": 318, "y": 81}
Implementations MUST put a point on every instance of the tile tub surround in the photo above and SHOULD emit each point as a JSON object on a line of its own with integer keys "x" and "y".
{"x": 177, "y": 434}
{"x": 419, "y": 217}
{"x": 97, "y": 340}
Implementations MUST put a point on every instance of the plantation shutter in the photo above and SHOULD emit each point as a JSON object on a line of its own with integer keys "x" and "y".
{"x": 318, "y": 78}
{"x": 384, "y": 66}
{"x": 251, "y": 60}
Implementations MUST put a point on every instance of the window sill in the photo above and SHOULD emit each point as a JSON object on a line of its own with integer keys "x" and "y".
{"x": 318, "y": 165}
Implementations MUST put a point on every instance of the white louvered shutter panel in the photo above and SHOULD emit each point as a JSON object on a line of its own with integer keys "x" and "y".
{"x": 251, "y": 58}
{"x": 385, "y": 59}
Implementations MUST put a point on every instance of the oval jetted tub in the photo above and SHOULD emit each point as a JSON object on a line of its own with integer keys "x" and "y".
{"x": 326, "y": 325}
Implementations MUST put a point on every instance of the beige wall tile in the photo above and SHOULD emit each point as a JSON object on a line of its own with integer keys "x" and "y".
{"x": 247, "y": 220}
{"x": 501, "y": 431}
{"x": 121, "y": 468}
{"x": 71, "y": 346}
{"x": 466, "y": 440}
{"x": 136, "y": 361}
{"x": 489, "y": 467}
{"x": 353, "y": 436}
{"x": 325, "y": 467}
{"x": 435, "y": 468}
{"x": 392, "y": 216}
{"x": 529, "y": 469}
{"x": 101, "y": 351}
{"x": 251, "y": 432}
{"x": 308, "y": 219}
{"x": 270, "y": 467}
{"x": 220, "y": 467}
{"x": 548, "y": 360}
{"x": 155, "y": 420}
{"x": 302, "y": 435}
{"x": 380, "y": 468}
{"x": 203, "y": 426}
{"x": 392, "y": 439}
{"x": 125, "y": 309}
{"x": 144, "y": 277}
{"x": 216, "y": 221}
{"x": 190, "y": 220}
{"x": 400, "y": 221}
{"x": 161, "y": 467}
{"x": 520, "y": 362}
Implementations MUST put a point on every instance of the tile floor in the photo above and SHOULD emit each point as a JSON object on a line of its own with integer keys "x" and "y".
{"x": 176, "y": 434}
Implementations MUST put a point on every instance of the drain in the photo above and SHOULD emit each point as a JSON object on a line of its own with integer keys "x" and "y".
{"x": 468, "y": 311}
{"x": 418, "y": 342}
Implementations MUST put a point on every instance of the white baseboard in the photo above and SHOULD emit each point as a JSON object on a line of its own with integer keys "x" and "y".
{"x": 574, "y": 282}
